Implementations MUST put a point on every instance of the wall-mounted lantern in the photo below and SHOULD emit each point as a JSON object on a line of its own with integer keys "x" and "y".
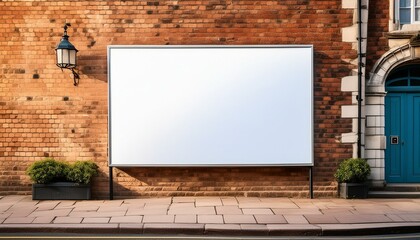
{"x": 67, "y": 55}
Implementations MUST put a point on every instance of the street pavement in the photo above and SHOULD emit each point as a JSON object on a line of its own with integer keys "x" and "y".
{"x": 227, "y": 216}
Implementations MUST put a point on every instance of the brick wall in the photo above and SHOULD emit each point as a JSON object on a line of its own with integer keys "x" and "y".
{"x": 42, "y": 114}
{"x": 377, "y": 28}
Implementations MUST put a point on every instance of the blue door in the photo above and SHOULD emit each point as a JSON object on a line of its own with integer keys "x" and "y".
{"x": 402, "y": 127}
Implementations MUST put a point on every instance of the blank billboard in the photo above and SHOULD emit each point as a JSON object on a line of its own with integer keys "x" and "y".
{"x": 210, "y": 105}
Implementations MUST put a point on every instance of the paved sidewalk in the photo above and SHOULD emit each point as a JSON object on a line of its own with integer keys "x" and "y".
{"x": 212, "y": 215}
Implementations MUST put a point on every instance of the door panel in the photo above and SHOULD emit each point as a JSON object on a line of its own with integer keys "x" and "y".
{"x": 414, "y": 163}
{"x": 393, "y": 168}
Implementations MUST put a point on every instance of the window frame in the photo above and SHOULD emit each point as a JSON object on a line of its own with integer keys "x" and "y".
{"x": 412, "y": 12}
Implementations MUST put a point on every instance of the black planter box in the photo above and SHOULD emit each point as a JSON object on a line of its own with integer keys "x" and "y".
{"x": 61, "y": 191}
{"x": 353, "y": 190}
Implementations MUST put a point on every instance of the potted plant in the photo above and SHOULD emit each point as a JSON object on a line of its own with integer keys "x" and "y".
{"x": 57, "y": 180}
{"x": 351, "y": 175}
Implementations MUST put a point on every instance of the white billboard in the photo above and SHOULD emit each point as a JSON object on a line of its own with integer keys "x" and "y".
{"x": 210, "y": 105}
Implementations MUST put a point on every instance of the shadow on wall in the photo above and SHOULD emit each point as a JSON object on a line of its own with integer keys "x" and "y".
{"x": 94, "y": 66}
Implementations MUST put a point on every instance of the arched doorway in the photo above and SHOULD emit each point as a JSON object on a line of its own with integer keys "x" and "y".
{"x": 402, "y": 125}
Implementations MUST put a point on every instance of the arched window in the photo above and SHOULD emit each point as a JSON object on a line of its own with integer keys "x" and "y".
{"x": 404, "y": 79}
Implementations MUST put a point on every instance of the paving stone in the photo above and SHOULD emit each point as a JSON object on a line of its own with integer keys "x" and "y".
{"x": 229, "y": 201}
{"x": 359, "y": 218}
{"x": 189, "y": 210}
{"x": 185, "y": 218}
{"x": 173, "y": 228}
{"x": 134, "y": 202}
{"x": 205, "y": 210}
{"x": 317, "y": 219}
{"x": 131, "y": 212}
{"x": 97, "y": 214}
{"x": 340, "y": 211}
{"x": 221, "y": 210}
{"x": 183, "y": 199}
{"x": 210, "y": 219}
{"x": 395, "y": 217}
{"x": 277, "y": 200}
{"x": 5, "y": 207}
{"x": 278, "y": 203}
{"x": 89, "y": 203}
{"x": 44, "y": 219}
{"x": 19, "y": 220}
{"x": 266, "y": 219}
{"x": 185, "y": 210}
{"x": 208, "y": 202}
{"x": 21, "y": 212}
{"x": 242, "y": 200}
{"x": 251, "y": 211}
{"x": 133, "y": 206}
{"x": 409, "y": 217}
{"x": 46, "y": 205}
{"x": 405, "y": 206}
{"x": 126, "y": 219}
{"x": 239, "y": 219}
{"x": 159, "y": 200}
{"x": 296, "y": 219}
{"x": 112, "y": 209}
{"x": 158, "y": 219}
{"x": 13, "y": 199}
{"x": 92, "y": 208}
{"x": 305, "y": 205}
{"x": 65, "y": 204}
{"x": 95, "y": 220}
{"x": 5, "y": 215}
{"x": 112, "y": 203}
{"x": 156, "y": 206}
{"x": 182, "y": 205}
{"x": 268, "y": 205}
{"x": 68, "y": 220}
{"x": 51, "y": 213}
{"x": 294, "y": 211}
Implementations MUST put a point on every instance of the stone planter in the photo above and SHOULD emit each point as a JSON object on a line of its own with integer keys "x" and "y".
{"x": 61, "y": 191}
{"x": 353, "y": 190}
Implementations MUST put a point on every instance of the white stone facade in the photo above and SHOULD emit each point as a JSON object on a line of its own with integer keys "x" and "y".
{"x": 373, "y": 89}
{"x": 350, "y": 83}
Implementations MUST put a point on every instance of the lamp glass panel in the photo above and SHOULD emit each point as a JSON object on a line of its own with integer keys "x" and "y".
{"x": 66, "y": 56}
{"x": 59, "y": 53}
{"x": 72, "y": 56}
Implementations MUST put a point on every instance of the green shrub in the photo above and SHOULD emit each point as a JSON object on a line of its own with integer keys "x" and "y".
{"x": 47, "y": 171}
{"x": 50, "y": 170}
{"x": 82, "y": 172}
{"x": 353, "y": 170}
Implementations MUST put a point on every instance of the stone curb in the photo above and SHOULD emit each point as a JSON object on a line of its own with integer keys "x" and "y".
{"x": 219, "y": 229}
{"x": 369, "y": 229}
